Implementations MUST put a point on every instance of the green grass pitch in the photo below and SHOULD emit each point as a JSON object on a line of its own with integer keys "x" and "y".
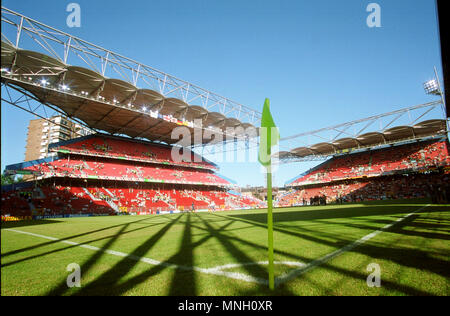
{"x": 318, "y": 250}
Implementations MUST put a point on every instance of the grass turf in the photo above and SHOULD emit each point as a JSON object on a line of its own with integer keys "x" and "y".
{"x": 413, "y": 255}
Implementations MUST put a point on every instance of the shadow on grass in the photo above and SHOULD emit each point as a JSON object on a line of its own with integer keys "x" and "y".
{"x": 341, "y": 212}
{"x": 114, "y": 281}
{"x": 86, "y": 266}
{"x": 421, "y": 256}
{"x": 122, "y": 232}
{"x": 427, "y": 230}
{"x": 62, "y": 287}
{"x": 67, "y": 238}
{"x": 107, "y": 283}
{"x": 240, "y": 256}
{"x": 184, "y": 281}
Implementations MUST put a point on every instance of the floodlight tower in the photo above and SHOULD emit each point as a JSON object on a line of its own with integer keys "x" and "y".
{"x": 433, "y": 87}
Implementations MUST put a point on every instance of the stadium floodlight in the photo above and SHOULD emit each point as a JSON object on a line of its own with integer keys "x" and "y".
{"x": 432, "y": 87}
{"x": 65, "y": 87}
{"x": 44, "y": 82}
{"x": 144, "y": 108}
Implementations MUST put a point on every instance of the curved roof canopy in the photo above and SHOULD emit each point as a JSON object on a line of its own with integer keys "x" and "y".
{"x": 428, "y": 127}
{"x": 283, "y": 154}
{"x": 173, "y": 106}
{"x": 246, "y": 129}
{"x": 108, "y": 104}
{"x": 346, "y": 143}
{"x": 195, "y": 112}
{"x": 147, "y": 98}
{"x": 371, "y": 138}
{"x": 232, "y": 122}
{"x": 214, "y": 119}
{"x": 117, "y": 91}
{"x": 323, "y": 148}
{"x": 399, "y": 133}
{"x": 8, "y": 52}
{"x": 392, "y": 135}
{"x": 303, "y": 151}
{"x": 83, "y": 79}
{"x": 29, "y": 62}
{"x": 230, "y": 126}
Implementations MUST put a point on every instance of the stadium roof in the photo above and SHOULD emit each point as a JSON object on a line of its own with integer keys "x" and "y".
{"x": 392, "y": 135}
{"x": 107, "y": 91}
{"x": 106, "y": 104}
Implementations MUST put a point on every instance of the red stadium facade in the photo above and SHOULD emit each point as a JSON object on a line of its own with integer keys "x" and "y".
{"x": 106, "y": 175}
{"x": 413, "y": 170}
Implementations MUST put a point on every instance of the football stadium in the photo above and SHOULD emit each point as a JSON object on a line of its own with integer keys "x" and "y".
{"x": 127, "y": 208}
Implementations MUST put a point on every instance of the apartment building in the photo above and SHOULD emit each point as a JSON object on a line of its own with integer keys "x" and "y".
{"x": 41, "y": 133}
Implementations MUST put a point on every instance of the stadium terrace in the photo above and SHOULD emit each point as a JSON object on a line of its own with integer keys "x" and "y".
{"x": 100, "y": 174}
{"x": 405, "y": 171}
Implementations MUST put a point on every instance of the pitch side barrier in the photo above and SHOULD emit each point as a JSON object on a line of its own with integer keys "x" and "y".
{"x": 9, "y": 218}
{"x": 13, "y": 218}
{"x": 38, "y": 217}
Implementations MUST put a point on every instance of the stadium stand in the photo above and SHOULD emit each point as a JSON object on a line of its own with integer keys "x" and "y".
{"x": 413, "y": 170}
{"x": 106, "y": 175}
{"x": 115, "y": 147}
{"x": 107, "y": 169}
{"x": 379, "y": 162}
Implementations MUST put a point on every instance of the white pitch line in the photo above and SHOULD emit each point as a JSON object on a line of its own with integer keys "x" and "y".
{"x": 111, "y": 252}
{"x": 218, "y": 270}
{"x": 262, "y": 263}
{"x": 213, "y": 271}
{"x": 297, "y": 272}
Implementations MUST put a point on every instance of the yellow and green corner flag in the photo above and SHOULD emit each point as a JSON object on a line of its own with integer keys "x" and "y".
{"x": 269, "y": 137}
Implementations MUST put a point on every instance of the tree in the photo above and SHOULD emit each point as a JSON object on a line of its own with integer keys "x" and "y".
{"x": 10, "y": 179}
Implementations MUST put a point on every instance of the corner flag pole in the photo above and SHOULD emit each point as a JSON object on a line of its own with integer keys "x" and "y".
{"x": 265, "y": 152}
{"x": 270, "y": 227}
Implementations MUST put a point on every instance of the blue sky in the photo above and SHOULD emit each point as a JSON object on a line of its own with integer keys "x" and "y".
{"x": 317, "y": 61}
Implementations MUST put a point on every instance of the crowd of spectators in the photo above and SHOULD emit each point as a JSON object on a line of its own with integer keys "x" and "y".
{"x": 407, "y": 186}
{"x": 84, "y": 167}
{"x": 415, "y": 156}
{"x": 131, "y": 150}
